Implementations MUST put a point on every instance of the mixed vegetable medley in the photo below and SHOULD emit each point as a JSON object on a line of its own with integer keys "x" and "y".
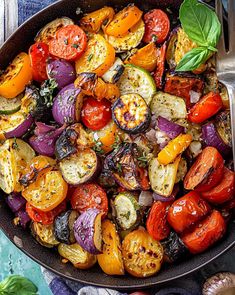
{"x": 115, "y": 138}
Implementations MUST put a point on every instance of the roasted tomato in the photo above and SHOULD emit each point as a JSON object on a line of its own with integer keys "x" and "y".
{"x": 45, "y": 217}
{"x": 39, "y": 53}
{"x": 70, "y": 43}
{"x": 160, "y": 66}
{"x": 224, "y": 191}
{"x": 123, "y": 21}
{"x": 142, "y": 254}
{"x": 88, "y": 196}
{"x": 181, "y": 86}
{"x": 206, "y": 172}
{"x": 205, "y": 108}
{"x": 96, "y": 114}
{"x": 17, "y": 75}
{"x": 187, "y": 211}
{"x": 106, "y": 136}
{"x": 205, "y": 234}
{"x": 157, "y": 26}
{"x": 157, "y": 225}
{"x": 93, "y": 21}
{"x": 47, "y": 192}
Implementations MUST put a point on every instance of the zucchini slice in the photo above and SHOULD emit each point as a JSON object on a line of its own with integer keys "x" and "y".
{"x": 114, "y": 73}
{"x": 130, "y": 41}
{"x": 127, "y": 210}
{"x": 168, "y": 106}
{"x": 80, "y": 167}
{"x": 137, "y": 80}
{"x": 162, "y": 177}
{"x": 10, "y": 106}
{"x": 131, "y": 113}
{"x": 182, "y": 170}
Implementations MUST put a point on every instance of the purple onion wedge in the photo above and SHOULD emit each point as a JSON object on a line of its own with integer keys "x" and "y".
{"x": 170, "y": 128}
{"x": 87, "y": 231}
{"x": 20, "y": 129}
{"x": 15, "y": 201}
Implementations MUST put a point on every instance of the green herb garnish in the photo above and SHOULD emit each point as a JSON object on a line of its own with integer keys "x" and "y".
{"x": 47, "y": 91}
{"x": 66, "y": 42}
{"x": 98, "y": 147}
{"x": 90, "y": 56}
{"x": 202, "y": 26}
{"x": 75, "y": 45}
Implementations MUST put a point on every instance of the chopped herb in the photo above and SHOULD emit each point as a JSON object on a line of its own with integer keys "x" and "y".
{"x": 15, "y": 145}
{"x": 117, "y": 142}
{"x": 119, "y": 167}
{"x": 47, "y": 91}
{"x": 90, "y": 56}
{"x": 66, "y": 42}
{"x": 154, "y": 38}
{"x": 75, "y": 45}
{"x": 98, "y": 147}
{"x": 126, "y": 215}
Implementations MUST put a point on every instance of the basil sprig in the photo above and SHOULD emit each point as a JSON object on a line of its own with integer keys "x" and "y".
{"x": 19, "y": 285}
{"x": 202, "y": 26}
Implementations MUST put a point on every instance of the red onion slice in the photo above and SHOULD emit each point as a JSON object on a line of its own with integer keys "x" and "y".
{"x": 170, "y": 128}
{"x": 15, "y": 202}
{"x": 145, "y": 199}
{"x": 20, "y": 129}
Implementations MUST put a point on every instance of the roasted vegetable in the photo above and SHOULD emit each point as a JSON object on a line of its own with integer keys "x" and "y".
{"x": 44, "y": 234}
{"x": 10, "y": 106}
{"x": 137, "y": 80}
{"x": 47, "y": 33}
{"x": 63, "y": 227}
{"x": 182, "y": 170}
{"x": 168, "y": 106}
{"x": 77, "y": 255}
{"x": 73, "y": 137}
{"x": 87, "y": 231}
{"x": 174, "y": 249}
{"x": 160, "y": 67}
{"x": 142, "y": 255}
{"x": 127, "y": 211}
{"x": 223, "y": 126}
{"x": 130, "y": 40}
{"x": 171, "y": 46}
{"x": 80, "y": 167}
{"x": 123, "y": 164}
{"x": 162, "y": 177}
{"x": 114, "y": 72}
{"x": 67, "y": 105}
{"x": 105, "y": 138}
{"x": 131, "y": 113}
{"x": 110, "y": 260}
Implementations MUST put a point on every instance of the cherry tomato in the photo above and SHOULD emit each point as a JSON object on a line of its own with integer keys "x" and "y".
{"x": 159, "y": 71}
{"x": 186, "y": 211}
{"x": 206, "y": 172}
{"x": 224, "y": 191}
{"x": 39, "y": 53}
{"x": 47, "y": 192}
{"x": 45, "y": 217}
{"x": 96, "y": 114}
{"x": 157, "y": 225}
{"x": 205, "y": 234}
{"x": 181, "y": 86}
{"x": 70, "y": 43}
{"x": 157, "y": 26}
{"x": 205, "y": 108}
{"x": 17, "y": 75}
{"x": 89, "y": 195}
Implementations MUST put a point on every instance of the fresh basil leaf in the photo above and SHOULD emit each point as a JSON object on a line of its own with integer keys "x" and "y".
{"x": 17, "y": 285}
{"x": 193, "y": 59}
{"x": 200, "y": 23}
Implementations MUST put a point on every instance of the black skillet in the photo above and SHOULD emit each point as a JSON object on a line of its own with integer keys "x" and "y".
{"x": 20, "y": 41}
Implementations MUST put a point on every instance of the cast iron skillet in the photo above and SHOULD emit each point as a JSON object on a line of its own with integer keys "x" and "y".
{"x": 20, "y": 41}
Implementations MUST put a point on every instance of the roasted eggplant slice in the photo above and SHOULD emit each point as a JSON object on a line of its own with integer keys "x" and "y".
{"x": 127, "y": 211}
{"x": 131, "y": 113}
{"x": 44, "y": 234}
{"x": 63, "y": 227}
{"x": 174, "y": 249}
{"x": 124, "y": 166}
{"x": 80, "y": 167}
{"x": 114, "y": 73}
{"x": 223, "y": 127}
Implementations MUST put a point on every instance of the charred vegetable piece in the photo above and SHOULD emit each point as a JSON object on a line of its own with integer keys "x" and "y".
{"x": 88, "y": 232}
{"x": 174, "y": 249}
{"x": 181, "y": 86}
{"x": 114, "y": 72}
{"x": 80, "y": 167}
{"x": 123, "y": 164}
{"x": 162, "y": 177}
{"x": 168, "y": 106}
{"x": 10, "y": 106}
{"x": 131, "y": 113}
{"x": 94, "y": 21}
{"x": 160, "y": 67}
{"x": 44, "y": 234}
{"x": 137, "y": 80}
{"x": 111, "y": 259}
{"x": 223, "y": 126}
{"x": 63, "y": 227}
{"x": 130, "y": 40}
{"x": 127, "y": 210}
{"x": 73, "y": 138}
{"x": 142, "y": 255}
{"x": 47, "y": 33}
{"x": 171, "y": 46}
{"x": 77, "y": 255}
